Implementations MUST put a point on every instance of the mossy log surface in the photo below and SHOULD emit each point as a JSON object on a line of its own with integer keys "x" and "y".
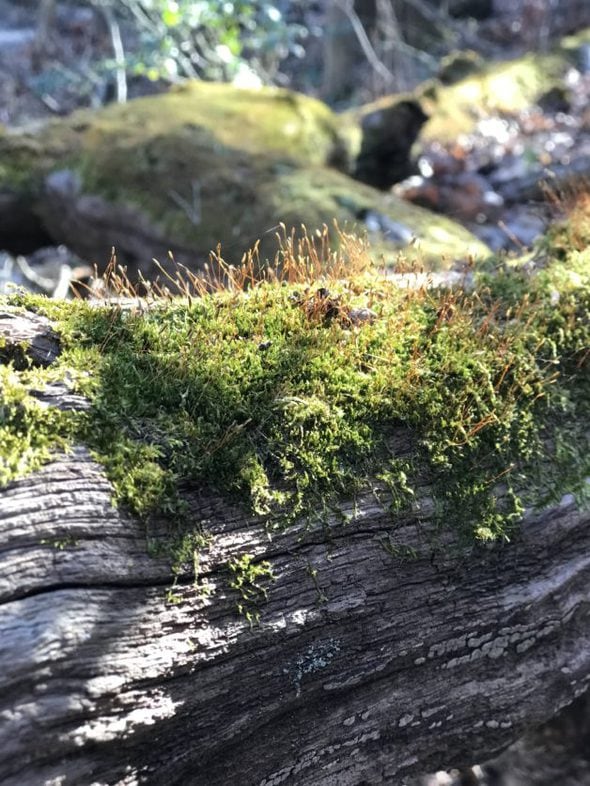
{"x": 364, "y": 666}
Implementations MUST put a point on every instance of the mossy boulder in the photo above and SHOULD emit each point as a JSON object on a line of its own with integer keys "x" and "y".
{"x": 508, "y": 86}
{"x": 202, "y": 165}
{"x": 457, "y": 66}
{"x": 381, "y": 134}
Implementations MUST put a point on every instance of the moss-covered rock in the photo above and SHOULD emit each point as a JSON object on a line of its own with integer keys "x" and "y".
{"x": 508, "y": 86}
{"x": 459, "y": 65}
{"x": 202, "y": 165}
{"x": 312, "y": 196}
{"x": 381, "y": 134}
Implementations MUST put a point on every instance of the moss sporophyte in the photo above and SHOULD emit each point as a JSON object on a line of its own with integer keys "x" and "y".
{"x": 275, "y": 397}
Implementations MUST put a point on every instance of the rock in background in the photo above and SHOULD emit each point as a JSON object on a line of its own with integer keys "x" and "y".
{"x": 203, "y": 164}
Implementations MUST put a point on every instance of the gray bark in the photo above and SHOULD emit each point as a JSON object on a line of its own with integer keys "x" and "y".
{"x": 364, "y": 668}
{"x": 27, "y": 337}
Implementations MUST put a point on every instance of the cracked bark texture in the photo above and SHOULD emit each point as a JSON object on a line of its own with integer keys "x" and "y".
{"x": 364, "y": 672}
{"x": 364, "y": 669}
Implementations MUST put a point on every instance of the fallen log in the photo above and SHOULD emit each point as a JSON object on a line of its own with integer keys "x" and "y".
{"x": 30, "y": 335}
{"x": 343, "y": 652}
{"x": 363, "y": 667}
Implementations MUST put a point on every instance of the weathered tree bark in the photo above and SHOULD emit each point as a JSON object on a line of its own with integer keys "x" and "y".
{"x": 364, "y": 667}
{"x": 27, "y": 337}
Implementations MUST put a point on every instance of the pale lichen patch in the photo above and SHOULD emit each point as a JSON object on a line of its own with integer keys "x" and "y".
{"x": 316, "y": 657}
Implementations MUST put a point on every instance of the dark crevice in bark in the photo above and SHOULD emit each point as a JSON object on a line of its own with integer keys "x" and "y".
{"x": 64, "y": 586}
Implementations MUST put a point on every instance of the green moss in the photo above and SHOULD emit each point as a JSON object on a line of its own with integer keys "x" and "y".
{"x": 27, "y": 156}
{"x": 218, "y": 117}
{"x": 459, "y": 65}
{"x": 29, "y": 431}
{"x": 249, "y": 579}
{"x": 274, "y": 399}
{"x": 19, "y": 159}
{"x": 215, "y": 138}
{"x": 272, "y": 120}
{"x": 306, "y": 196}
{"x": 151, "y": 154}
{"x": 572, "y": 44}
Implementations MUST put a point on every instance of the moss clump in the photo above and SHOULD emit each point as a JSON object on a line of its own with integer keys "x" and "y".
{"x": 250, "y": 579}
{"x": 29, "y": 431}
{"x": 278, "y": 397}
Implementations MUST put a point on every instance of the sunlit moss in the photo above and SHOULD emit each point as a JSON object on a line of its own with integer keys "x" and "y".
{"x": 274, "y": 397}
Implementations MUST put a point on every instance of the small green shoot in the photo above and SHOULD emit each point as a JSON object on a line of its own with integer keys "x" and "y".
{"x": 250, "y": 579}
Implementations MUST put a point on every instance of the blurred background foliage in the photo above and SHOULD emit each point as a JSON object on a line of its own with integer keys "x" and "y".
{"x": 343, "y": 51}
{"x": 209, "y": 39}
